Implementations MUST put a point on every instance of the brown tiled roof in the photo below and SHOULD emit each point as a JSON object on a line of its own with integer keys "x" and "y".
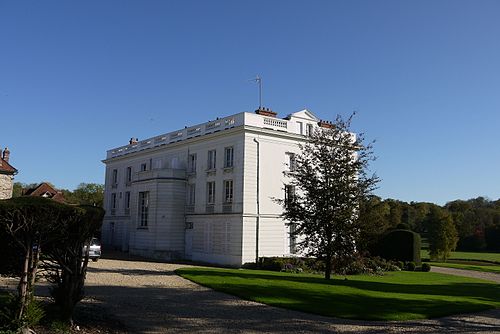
{"x": 6, "y": 168}
{"x": 45, "y": 190}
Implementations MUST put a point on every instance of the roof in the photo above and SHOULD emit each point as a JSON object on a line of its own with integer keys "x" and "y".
{"x": 44, "y": 189}
{"x": 6, "y": 168}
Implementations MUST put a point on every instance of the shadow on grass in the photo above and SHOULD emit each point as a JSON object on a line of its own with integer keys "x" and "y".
{"x": 372, "y": 300}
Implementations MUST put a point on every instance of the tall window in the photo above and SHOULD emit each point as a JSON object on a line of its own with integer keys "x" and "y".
{"x": 289, "y": 194}
{"x": 309, "y": 131}
{"x": 191, "y": 194}
{"x": 113, "y": 201}
{"x": 143, "y": 208}
{"x": 129, "y": 175}
{"x": 291, "y": 162}
{"x": 228, "y": 191}
{"x": 127, "y": 200}
{"x": 301, "y": 127}
{"x": 228, "y": 156}
{"x": 211, "y": 159}
{"x": 115, "y": 177}
{"x": 192, "y": 163}
{"x": 293, "y": 239}
{"x": 144, "y": 167}
{"x": 211, "y": 192}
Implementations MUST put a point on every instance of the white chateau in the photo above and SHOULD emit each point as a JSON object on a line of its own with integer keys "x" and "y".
{"x": 205, "y": 192}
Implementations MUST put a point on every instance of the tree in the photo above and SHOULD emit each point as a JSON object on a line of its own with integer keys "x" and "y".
{"x": 66, "y": 258}
{"x": 331, "y": 180}
{"x": 30, "y": 222}
{"x": 442, "y": 234}
{"x": 89, "y": 194}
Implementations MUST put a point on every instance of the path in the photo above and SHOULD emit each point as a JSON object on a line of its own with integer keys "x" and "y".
{"x": 467, "y": 273}
{"x": 149, "y": 297}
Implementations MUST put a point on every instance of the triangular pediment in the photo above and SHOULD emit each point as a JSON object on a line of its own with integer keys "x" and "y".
{"x": 305, "y": 115}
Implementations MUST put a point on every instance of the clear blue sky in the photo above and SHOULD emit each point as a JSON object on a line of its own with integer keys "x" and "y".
{"x": 78, "y": 78}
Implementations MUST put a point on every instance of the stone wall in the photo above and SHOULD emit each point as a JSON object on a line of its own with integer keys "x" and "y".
{"x": 6, "y": 184}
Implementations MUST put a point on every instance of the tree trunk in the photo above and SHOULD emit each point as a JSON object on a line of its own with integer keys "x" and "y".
{"x": 23, "y": 284}
{"x": 328, "y": 267}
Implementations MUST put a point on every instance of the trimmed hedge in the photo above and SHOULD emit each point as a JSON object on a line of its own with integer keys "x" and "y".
{"x": 400, "y": 245}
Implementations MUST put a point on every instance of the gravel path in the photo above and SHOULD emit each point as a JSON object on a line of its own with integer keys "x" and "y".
{"x": 148, "y": 297}
{"x": 467, "y": 273}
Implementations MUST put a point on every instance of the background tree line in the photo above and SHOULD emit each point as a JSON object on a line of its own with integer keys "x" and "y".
{"x": 84, "y": 194}
{"x": 473, "y": 224}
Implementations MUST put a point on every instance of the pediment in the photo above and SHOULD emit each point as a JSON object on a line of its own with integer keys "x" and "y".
{"x": 305, "y": 115}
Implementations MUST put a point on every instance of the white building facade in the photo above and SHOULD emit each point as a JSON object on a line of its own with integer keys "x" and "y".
{"x": 205, "y": 193}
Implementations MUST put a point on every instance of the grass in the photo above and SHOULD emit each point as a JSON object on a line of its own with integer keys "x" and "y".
{"x": 471, "y": 256}
{"x": 395, "y": 296}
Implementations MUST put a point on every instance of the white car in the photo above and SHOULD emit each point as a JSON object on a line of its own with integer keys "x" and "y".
{"x": 94, "y": 250}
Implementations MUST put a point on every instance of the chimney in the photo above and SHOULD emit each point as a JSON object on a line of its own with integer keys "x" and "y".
{"x": 6, "y": 154}
{"x": 266, "y": 112}
{"x": 133, "y": 141}
{"x": 325, "y": 124}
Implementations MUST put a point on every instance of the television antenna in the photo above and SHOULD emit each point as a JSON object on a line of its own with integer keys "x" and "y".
{"x": 258, "y": 80}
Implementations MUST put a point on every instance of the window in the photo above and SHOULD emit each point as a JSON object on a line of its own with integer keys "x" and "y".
{"x": 144, "y": 167}
{"x": 129, "y": 175}
{"x": 228, "y": 191}
{"x": 113, "y": 201}
{"x": 127, "y": 200}
{"x": 191, "y": 194}
{"x": 114, "y": 180}
{"x": 143, "y": 208}
{"x": 291, "y": 162}
{"x": 301, "y": 127}
{"x": 211, "y": 159}
{"x": 293, "y": 239}
{"x": 309, "y": 131}
{"x": 289, "y": 194}
{"x": 211, "y": 192}
{"x": 192, "y": 163}
{"x": 228, "y": 157}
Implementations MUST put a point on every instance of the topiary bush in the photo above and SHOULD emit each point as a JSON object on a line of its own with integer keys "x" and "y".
{"x": 400, "y": 245}
{"x": 426, "y": 267}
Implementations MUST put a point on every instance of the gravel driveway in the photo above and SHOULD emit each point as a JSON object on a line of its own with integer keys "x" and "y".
{"x": 148, "y": 297}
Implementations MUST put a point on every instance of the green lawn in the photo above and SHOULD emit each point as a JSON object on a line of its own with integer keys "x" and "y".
{"x": 490, "y": 257}
{"x": 395, "y": 296}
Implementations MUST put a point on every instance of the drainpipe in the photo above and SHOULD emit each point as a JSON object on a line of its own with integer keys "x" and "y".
{"x": 257, "y": 226}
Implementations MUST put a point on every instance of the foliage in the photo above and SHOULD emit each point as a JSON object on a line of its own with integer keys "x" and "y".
{"x": 84, "y": 194}
{"x": 9, "y": 319}
{"x": 31, "y": 223}
{"x": 426, "y": 267}
{"x": 331, "y": 181}
{"x": 393, "y": 296}
{"x": 410, "y": 266}
{"x": 399, "y": 245}
{"x": 65, "y": 262}
{"x": 442, "y": 235}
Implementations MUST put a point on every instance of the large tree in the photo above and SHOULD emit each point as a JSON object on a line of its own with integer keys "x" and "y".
{"x": 442, "y": 234}
{"x": 331, "y": 181}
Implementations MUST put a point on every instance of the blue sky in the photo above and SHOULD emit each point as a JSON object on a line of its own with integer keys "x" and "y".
{"x": 78, "y": 78}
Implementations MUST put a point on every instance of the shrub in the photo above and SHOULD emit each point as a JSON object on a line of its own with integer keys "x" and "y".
{"x": 410, "y": 266}
{"x": 426, "y": 267}
{"x": 399, "y": 245}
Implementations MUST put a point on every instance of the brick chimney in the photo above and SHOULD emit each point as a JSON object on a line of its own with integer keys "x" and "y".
{"x": 6, "y": 154}
{"x": 325, "y": 124}
{"x": 266, "y": 112}
{"x": 133, "y": 141}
